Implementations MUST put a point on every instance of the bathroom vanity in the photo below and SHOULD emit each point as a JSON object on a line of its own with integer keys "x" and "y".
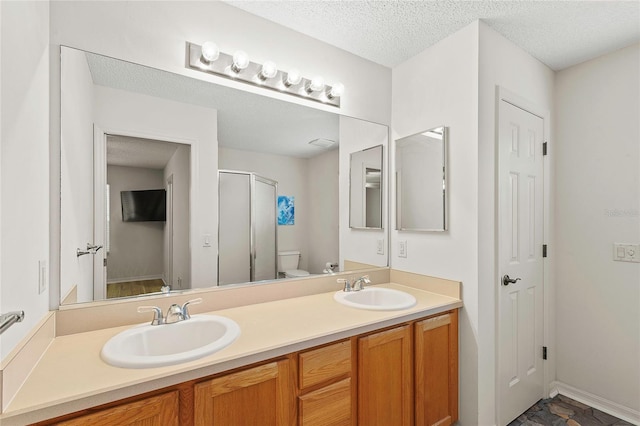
{"x": 304, "y": 360}
{"x": 385, "y": 377}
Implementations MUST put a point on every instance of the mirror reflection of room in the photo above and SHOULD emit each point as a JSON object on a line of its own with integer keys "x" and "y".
{"x": 147, "y": 216}
{"x": 113, "y": 108}
{"x": 365, "y": 186}
{"x": 420, "y": 168}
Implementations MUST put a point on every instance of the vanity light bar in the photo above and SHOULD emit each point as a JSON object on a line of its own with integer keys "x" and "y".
{"x": 238, "y": 67}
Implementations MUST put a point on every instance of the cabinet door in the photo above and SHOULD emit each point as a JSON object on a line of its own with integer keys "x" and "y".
{"x": 257, "y": 396}
{"x": 161, "y": 410}
{"x": 436, "y": 370}
{"x": 385, "y": 383}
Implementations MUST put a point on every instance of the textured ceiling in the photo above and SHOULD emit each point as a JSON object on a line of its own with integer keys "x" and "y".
{"x": 558, "y": 33}
{"x": 246, "y": 121}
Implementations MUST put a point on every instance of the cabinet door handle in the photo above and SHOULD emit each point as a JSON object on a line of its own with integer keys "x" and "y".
{"x": 506, "y": 280}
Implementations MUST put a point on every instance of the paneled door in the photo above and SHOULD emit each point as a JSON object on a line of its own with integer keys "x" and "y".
{"x": 520, "y": 320}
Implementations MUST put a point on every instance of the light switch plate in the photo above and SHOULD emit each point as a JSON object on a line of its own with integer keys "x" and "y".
{"x": 206, "y": 240}
{"x": 380, "y": 246}
{"x": 402, "y": 248}
{"x": 626, "y": 252}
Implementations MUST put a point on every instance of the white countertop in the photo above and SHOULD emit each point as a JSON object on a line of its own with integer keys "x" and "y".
{"x": 71, "y": 375}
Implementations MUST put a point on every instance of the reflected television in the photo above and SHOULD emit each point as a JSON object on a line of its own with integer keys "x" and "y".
{"x": 144, "y": 206}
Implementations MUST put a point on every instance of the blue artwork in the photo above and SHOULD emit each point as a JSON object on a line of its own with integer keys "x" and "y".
{"x": 286, "y": 212}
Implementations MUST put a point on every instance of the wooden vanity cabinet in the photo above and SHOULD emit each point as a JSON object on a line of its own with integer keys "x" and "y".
{"x": 326, "y": 391}
{"x": 436, "y": 370}
{"x": 160, "y": 410}
{"x": 404, "y": 375}
{"x": 260, "y": 395}
{"x": 385, "y": 384}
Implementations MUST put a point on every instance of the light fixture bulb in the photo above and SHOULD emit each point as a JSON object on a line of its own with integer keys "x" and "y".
{"x": 293, "y": 78}
{"x": 336, "y": 90}
{"x": 240, "y": 61}
{"x": 316, "y": 84}
{"x": 269, "y": 70}
{"x": 210, "y": 51}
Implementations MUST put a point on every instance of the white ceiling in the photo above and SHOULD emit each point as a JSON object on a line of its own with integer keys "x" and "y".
{"x": 558, "y": 33}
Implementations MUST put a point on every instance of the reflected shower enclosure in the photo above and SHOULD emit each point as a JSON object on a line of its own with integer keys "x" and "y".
{"x": 247, "y": 227}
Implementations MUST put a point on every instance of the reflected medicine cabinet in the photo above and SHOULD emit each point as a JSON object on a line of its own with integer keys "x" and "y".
{"x": 421, "y": 181}
{"x": 365, "y": 188}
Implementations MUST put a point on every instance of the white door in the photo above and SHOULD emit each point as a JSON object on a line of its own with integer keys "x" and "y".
{"x": 520, "y": 370}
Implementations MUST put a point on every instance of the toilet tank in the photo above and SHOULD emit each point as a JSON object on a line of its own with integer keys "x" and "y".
{"x": 288, "y": 260}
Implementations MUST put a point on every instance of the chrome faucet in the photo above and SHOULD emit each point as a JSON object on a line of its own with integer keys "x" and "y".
{"x": 354, "y": 284}
{"x": 176, "y": 313}
{"x": 360, "y": 282}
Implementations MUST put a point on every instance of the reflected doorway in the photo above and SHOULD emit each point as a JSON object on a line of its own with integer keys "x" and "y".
{"x": 146, "y": 217}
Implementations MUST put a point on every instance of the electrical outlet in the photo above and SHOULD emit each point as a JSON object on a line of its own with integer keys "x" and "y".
{"x": 626, "y": 252}
{"x": 42, "y": 276}
{"x": 402, "y": 248}
{"x": 380, "y": 246}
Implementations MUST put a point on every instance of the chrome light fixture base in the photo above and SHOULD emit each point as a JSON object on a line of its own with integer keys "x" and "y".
{"x": 223, "y": 66}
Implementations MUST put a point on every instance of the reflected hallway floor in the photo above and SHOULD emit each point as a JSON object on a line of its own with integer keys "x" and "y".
{"x": 133, "y": 288}
{"x": 561, "y": 410}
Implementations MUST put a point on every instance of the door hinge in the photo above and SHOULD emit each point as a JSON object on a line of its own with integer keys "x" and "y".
{"x": 104, "y": 262}
{"x": 544, "y": 250}
{"x": 544, "y": 352}
{"x": 544, "y": 148}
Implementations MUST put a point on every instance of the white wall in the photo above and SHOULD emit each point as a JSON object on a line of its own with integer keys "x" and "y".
{"x": 136, "y": 249}
{"x": 501, "y": 63}
{"x": 597, "y": 203}
{"x": 24, "y": 167}
{"x": 76, "y": 162}
{"x": 453, "y": 83}
{"x": 178, "y": 166}
{"x": 125, "y": 113}
{"x": 439, "y": 87}
{"x": 358, "y": 245}
{"x": 323, "y": 231}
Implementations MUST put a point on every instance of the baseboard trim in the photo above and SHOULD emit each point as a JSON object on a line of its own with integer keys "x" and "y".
{"x": 595, "y": 401}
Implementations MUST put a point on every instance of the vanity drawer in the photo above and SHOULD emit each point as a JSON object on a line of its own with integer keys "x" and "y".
{"x": 330, "y": 405}
{"x": 322, "y": 364}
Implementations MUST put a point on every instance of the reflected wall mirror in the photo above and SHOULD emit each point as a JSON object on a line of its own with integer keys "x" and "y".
{"x": 421, "y": 181}
{"x": 365, "y": 188}
{"x": 129, "y": 128}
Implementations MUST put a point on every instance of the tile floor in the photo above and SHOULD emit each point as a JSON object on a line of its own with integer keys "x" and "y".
{"x": 561, "y": 410}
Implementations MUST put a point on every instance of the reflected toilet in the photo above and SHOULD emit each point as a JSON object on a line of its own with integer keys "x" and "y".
{"x": 288, "y": 264}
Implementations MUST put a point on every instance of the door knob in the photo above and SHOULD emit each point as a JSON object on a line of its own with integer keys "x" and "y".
{"x": 506, "y": 280}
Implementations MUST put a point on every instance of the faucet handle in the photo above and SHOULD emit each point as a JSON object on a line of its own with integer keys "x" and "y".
{"x": 157, "y": 314}
{"x": 185, "y": 307}
{"x": 346, "y": 282}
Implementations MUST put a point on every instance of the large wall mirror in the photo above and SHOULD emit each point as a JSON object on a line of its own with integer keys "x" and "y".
{"x": 142, "y": 152}
{"x": 421, "y": 181}
{"x": 365, "y": 188}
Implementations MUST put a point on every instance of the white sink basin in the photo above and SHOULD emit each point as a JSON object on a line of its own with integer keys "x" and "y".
{"x": 148, "y": 345}
{"x": 376, "y": 299}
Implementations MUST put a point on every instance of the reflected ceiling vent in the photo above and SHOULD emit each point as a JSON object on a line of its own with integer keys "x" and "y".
{"x": 322, "y": 143}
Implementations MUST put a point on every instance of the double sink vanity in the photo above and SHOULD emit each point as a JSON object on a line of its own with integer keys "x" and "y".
{"x": 317, "y": 355}
{"x": 371, "y": 346}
